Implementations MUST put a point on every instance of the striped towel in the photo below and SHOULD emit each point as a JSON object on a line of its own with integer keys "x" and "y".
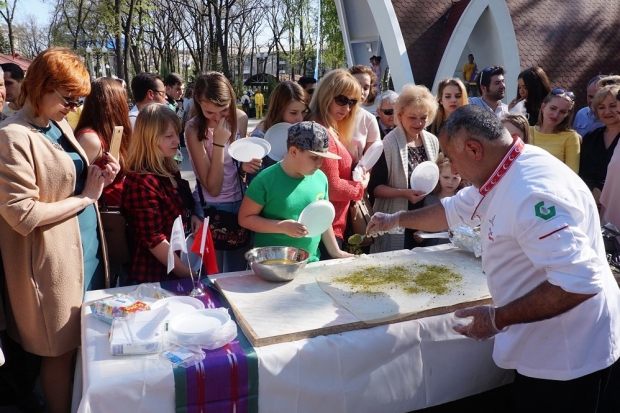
{"x": 226, "y": 381}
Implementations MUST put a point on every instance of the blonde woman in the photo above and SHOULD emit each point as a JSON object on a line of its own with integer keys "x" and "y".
{"x": 451, "y": 95}
{"x": 553, "y": 131}
{"x": 334, "y": 105}
{"x": 403, "y": 149}
{"x": 154, "y": 195}
{"x": 214, "y": 127}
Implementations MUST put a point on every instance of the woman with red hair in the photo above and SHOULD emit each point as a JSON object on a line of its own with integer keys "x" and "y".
{"x": 52, "y": 242}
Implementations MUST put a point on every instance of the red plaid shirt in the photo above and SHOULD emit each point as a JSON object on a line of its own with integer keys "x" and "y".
{"x": 151, "y": 204}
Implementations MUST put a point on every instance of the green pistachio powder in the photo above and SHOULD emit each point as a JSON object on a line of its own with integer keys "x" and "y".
{"x": 435, "y": 279}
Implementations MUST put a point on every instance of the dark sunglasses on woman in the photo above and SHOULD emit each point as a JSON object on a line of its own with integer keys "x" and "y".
{"x": 342, "y": 100}
{"x": 69, "y": 104}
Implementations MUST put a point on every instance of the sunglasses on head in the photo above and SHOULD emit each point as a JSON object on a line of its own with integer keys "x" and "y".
{"x": 559, "y": 92}
{"x": 342, "y": 100}
{"x": 388, "y": 112}
{"x": 69, "y": 104}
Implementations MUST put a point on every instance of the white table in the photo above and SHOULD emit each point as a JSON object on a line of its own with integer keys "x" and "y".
{"x": 390, "y": 368}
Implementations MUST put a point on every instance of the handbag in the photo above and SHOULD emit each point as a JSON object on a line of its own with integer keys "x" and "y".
{"x": 360, "y": 213}
{"x": 226, "y": 232}
{"x": 115, "y": 229}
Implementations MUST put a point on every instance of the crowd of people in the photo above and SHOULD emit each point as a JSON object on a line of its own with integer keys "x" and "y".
{"x": 55, "y": 177}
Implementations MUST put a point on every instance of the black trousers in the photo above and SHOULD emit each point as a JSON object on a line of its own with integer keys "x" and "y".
{"x": 596, "y": 392}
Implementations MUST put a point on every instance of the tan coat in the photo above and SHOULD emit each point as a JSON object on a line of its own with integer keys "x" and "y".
{"x": 43, "y": 264}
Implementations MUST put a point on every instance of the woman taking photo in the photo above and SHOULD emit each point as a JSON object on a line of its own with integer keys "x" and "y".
{"x": 105, "y": 108}
{"x": 154, "y": 195}
{"x": 533, "y": 88}
{"x": 334, "y": 105}
{"x": 51, "y": 240}
{"x": 207, "y": 136}
{"x": 366, "y": 130}
{"x": 599, "y": 144}
{"x": 451, "y": 95}
{"x": 403, "y": 150}
{"x": 553, "y": 131}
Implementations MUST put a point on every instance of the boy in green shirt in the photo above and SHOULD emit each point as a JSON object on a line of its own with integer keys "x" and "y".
{"x": 277, "y": 195}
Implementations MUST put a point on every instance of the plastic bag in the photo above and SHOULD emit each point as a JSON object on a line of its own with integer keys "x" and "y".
{"x": 467, "y": 239}
{"x": 149, "y": 290}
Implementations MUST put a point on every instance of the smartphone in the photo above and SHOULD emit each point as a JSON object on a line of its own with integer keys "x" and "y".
{"x": 115, "y": 146}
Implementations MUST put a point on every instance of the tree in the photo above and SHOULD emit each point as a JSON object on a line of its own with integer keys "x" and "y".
{"x": 32, "y": 38}
{"x": 332, "y": 43}
{"x": 8, "y": 13}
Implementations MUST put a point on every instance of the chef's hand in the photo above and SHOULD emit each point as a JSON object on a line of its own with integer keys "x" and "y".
{"x": 253, "y": 166}
{"x": 380, "y": 223}
{"x": 482, "y": 326}
{"x": 292, "y": 228}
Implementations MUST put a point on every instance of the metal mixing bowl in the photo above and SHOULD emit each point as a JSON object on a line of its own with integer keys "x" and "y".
{"x": 277, "y": 272}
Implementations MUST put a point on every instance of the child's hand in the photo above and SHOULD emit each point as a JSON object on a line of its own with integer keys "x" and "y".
{"x": 341, "y": 254}
{"x": 253, "y": 166}
{"x": 221, "y": 133}
{"x": 413, "y": 195}
{"x": 292, "y": 228}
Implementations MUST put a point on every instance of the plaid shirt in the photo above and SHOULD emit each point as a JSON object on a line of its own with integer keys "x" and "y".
{"x": 151, "y": 204}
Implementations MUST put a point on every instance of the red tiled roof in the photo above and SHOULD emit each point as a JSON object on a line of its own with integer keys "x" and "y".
{"x": 572, "y": 41}
{"x": 20, "y": 61}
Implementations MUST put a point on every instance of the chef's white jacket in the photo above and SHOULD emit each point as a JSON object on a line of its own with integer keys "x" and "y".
{"x": 539, "y": 222}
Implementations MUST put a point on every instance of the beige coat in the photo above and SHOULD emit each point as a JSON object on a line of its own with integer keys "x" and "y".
{"x": 397, "y": 158}
{"x": 43, "y": 263}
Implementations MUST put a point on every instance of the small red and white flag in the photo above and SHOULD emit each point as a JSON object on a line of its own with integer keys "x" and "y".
{"x": 203, "y": 245}
{"x": 177, "y": 241}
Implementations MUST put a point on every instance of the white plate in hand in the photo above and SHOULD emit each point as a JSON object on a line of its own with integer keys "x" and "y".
{"x": 425, "y": 177}
{"x": 246, "y": 149}
{"x": 372, "y": 155}
{"x": 317, "y": 217}
{"x": 277, "y": 136}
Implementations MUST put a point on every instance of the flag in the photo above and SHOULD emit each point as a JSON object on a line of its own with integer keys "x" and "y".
{"x": 203, "y": 245}
{"x": 177, "y": 241}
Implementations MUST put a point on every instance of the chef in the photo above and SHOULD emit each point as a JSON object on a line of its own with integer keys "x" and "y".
{"x": 556, "y": 308}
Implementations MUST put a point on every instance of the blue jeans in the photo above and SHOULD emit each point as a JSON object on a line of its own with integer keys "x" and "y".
{"x": 233, "y": 260}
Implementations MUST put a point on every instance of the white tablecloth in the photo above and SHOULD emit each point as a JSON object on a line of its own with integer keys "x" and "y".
{"x": 391, "y": 368}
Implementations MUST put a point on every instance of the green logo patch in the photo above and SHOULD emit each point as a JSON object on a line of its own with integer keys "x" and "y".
{"x": 543, "y": 212}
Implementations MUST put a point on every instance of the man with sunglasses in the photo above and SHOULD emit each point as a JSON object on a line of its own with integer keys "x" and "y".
{"x": 385, "y": 111}
{"x": 309, "y": 84}
{"x": 492, "y": 88}
{"x": 555, "y": 316}
{"x": 146, "y": 88}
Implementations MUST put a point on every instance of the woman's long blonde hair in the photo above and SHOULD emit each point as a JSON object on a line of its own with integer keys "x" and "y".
{"x": 337, "y": 82}
{"x": 441, "y": 113}
{"x": 144, "y": 155}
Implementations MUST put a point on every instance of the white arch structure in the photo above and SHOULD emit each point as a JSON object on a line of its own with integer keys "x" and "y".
{"x": 373, "y": 23}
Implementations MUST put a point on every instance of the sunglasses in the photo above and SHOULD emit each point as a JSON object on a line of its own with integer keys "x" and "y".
{"x": 559, "y": 92}
{"x": 160, "y": 92}
{"x": 69, "y": 104}
{"x": 388, "y": 112}
{"x": 342, "y": 100}
{"x": 310, "y": 91}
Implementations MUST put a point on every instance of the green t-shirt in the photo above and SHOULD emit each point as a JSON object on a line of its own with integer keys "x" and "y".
{"x": 284, "y": 197}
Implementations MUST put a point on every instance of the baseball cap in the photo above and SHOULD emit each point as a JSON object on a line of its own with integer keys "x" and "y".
{"x": 311, "y": 137}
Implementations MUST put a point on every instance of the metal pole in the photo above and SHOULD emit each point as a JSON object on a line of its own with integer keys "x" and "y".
{"x": 318, "y": 45}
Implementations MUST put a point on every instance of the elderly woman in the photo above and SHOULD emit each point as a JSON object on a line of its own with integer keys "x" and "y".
{"x": 599, "y": 144}
{"x": 403, "y": 149}
{"x": 51, "y": 240}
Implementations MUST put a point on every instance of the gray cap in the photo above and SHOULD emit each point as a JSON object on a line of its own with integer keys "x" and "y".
{"x": 311, "y": 137}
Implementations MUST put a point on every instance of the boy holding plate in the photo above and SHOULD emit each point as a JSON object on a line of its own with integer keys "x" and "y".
{"x": 276, "y": 197}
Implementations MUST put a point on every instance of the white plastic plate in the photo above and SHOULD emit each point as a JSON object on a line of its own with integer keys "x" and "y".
{"x": 277, "y": 136}
{"x": 372, "y": 155}
{"x": 246, "y": 149}
{"x": 198, "y": 322}
{"x": 425, "y": 177}
{"x": 317, "y": 217}
{"x": 179, "y": 305}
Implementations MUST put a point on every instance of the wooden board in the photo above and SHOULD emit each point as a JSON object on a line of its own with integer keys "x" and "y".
{"x": 271, "y": 313}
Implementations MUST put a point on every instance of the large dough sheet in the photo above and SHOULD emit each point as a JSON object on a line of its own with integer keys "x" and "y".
{"x": 395, "y": 303}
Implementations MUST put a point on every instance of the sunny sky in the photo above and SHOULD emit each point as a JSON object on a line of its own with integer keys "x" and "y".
{"x": 41, "y": 9}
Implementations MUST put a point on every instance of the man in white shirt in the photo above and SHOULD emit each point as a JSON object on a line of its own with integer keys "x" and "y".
{"x": 146, "y": 88}
{"x": 556, "y": 313}
{"x": 492, "y": 87}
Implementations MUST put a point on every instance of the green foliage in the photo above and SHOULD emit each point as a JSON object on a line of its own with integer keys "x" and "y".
{"x": 332, "y": 43}
{"x": 5, "y": 47}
